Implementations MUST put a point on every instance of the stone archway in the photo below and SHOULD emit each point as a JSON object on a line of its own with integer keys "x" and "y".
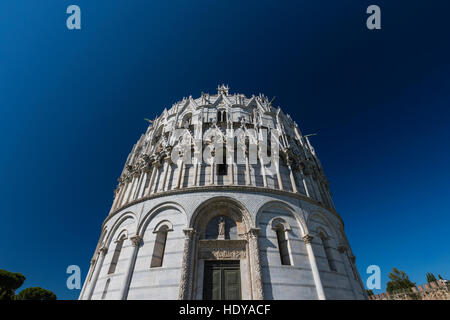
{"x": 242, "y": 248}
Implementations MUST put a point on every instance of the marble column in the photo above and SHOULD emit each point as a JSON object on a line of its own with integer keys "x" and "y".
{"x": 196, "y": 165}
{"x": 148, "y": 188}
{"x": 305, "y": 185}
{"x": 126, "y": 192}
{"x": 231, "y": 172}
{"x": 263, "y": 170}
{"x": 129, "y": 196}
{"x": 135, "y": 242}
{"x": 157, "y": 181}
{"x": 291, "y": 176}
{"x": 312, "y": 190}
{"x": 116, "y": 198}
{"x": 86, "y": 283}
{"x": 343, "y": 253}
{"x": 138, "y": 186}
{"x": 315, "y": 270}
{"x": 183, "y": 175}
{"x": 167, "y": 168}
{"x": 185, "y": 289}
{"x": 143, "y": 184}
{"x": 255, "y": 261}
{"x": 162, "y": 176}
{"x": 103, "y": 251}
{"x": 213, "y": 173}
{"x": 123, "y": 187}
{"x": 280, "y": 183}
{"x": 247, "y": 170}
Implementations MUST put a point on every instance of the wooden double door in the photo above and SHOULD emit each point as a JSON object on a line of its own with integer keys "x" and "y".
{"x": 222, "y": 280}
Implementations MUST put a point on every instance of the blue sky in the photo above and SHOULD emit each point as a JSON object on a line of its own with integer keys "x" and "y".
{"x": 72, "y": 105}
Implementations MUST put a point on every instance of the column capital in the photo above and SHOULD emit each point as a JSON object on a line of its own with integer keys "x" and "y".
{"x": 307, "y": 238}
{"x": 103, "y": 250}
{"x": 253, "y": 233}
{"x": 189, "y": 233}
{"x": 136, "y": 240}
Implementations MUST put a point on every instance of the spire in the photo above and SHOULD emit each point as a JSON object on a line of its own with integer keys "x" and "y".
{"x": 223, "y": 89}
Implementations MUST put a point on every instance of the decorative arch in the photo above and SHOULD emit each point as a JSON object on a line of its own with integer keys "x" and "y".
{"x": 322, "y": 217}
{"x": 154, "y": 212}
{"x": 117, "y": 225}
{"x": 324, "y": 237}
{"x": 163, "y": 224}
{"x": 101, "y": 241}
{"x": 186, "y": 118}
{"x": 281, "y": 229}
{"x": 287, "y": 207}
{"x": 322, "y": 233}
{"x": 218, "y": 206}
{"x": 244, "y": 248}
{"x": 277, "y": 221}
{"x": 122, "y": 234}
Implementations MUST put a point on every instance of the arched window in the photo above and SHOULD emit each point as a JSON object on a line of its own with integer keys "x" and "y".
{"x": 115, "y": 258}
{"x": 105, "y": 290}
{"x": 186, "y": 122}
{"x": 328, "y": 253}
{"x": 281, "y": 228}
{"x": 221, "y": 116}
{"x": 283, "y": 245}
{"x": 160, "y": 246}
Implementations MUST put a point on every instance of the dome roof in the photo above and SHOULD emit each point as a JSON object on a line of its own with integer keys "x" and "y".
{"x": 212, "y": 119}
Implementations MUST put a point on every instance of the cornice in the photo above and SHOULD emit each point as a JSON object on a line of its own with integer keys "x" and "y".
{"x": 222, "y": 188}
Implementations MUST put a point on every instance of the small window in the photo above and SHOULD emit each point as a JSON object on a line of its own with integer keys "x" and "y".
{"x": 159, "y": 248}
{"x": 283, "y": 245}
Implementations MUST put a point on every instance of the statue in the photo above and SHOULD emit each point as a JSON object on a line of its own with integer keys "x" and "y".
{"x": 221, "y": 234}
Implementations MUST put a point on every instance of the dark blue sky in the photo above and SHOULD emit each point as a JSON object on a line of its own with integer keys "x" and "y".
{"x": 72, "y": 105}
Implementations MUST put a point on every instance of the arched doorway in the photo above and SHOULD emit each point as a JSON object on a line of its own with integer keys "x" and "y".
{"x": 221, "y": 253}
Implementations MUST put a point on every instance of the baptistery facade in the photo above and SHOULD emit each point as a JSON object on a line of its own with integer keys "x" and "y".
{"x": 223, "y": 198}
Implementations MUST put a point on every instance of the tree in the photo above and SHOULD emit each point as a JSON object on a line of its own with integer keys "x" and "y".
{"x": 9, "y": 283}
{"x": 440, "y": 277}
{"x": 430, "y": 277}
{"x": 399, "y": 281}
{"x": 35, "y": 293}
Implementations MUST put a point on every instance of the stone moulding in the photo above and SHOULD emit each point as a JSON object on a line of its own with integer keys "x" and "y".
{"x": 222, "y": 249}
{"x": 223, "y": 188}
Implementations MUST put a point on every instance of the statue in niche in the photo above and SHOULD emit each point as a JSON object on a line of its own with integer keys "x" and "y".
{"x": 221, "y": 234}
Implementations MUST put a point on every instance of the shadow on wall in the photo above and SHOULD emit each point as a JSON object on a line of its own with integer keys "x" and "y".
{"x": 264, "y": 244}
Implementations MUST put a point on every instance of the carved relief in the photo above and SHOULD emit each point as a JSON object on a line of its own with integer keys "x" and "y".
{"x": 222, "y": 254}
{"x": 242, "y": 113}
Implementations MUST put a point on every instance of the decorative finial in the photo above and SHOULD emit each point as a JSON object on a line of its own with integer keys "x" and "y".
{"x": 224, "y": 89}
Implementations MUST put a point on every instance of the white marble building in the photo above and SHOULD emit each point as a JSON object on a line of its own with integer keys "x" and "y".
{"x": 231, "y": 229}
